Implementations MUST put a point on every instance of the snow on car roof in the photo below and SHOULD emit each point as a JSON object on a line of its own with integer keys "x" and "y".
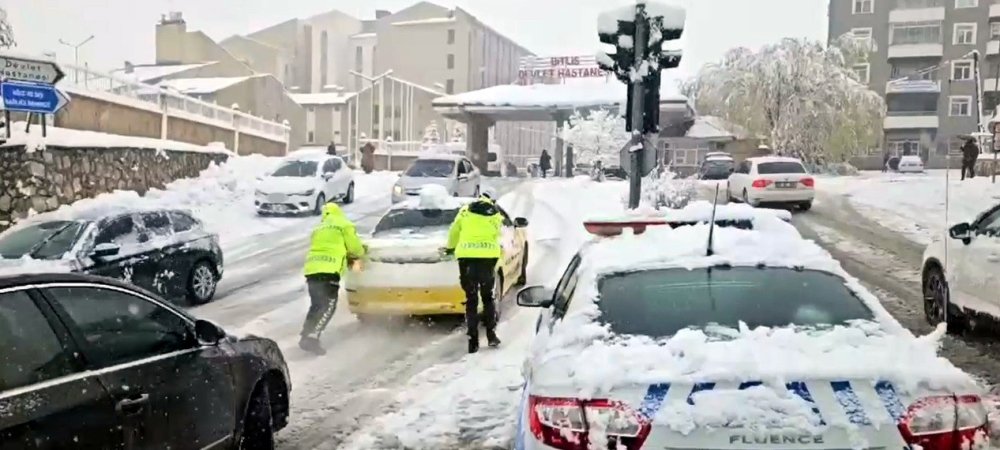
{"x": 702, "y": 211}
{"x": 766, "y": 159}
{"x": 440, "y": 156}
{"x": 585, "y": 355}
{"x": 433, "y": 196}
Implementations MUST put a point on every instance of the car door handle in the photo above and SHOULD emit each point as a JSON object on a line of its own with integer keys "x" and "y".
{"x": 132, "y": 406}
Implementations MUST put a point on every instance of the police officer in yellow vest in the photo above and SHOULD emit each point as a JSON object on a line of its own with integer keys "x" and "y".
{"x": 474, "y": 238}
{"x": 334, "y": 241}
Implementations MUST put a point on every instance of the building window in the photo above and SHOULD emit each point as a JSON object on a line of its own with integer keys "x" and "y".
{"x": 961, "y": 70}
{"x": 994, "y": 30}
{"x": 863, "y": 71}
{"x": 917, "y": 33}
{"x": 965, "y": 34}
{"x": 324, "y": 47}
{"x": 864, "y": 6}
{"x": 966, "y": 4}
{"x": 960, "y": 106}
{"x": 359, "y": 60}
{"x": 863, "y": 35}
{"x": 311, "y": 137}
{"x": 451, "y": 61}
{"x": 903, "y": 147}
{"x": 449, "y": 86}
{"x": 451, "y": 37}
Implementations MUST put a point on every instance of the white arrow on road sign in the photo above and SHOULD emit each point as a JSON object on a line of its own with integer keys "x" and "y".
{"x": 27, "y": 69}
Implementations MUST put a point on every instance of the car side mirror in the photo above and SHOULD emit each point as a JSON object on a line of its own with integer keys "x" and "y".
{"x": 962, "y": 231}
{"x": 534, "y": 297}
{"x": 327, "y": 176}
{"x": 520, "y": 222}
{"x": 208, "y": 333}
{"x": 105, "y": 250}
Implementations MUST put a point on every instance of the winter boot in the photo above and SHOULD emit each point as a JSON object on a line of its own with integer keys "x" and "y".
{"x": 311, "y": 345}
{"x": 492, "y": 339}
{"x": 473, "y": 345}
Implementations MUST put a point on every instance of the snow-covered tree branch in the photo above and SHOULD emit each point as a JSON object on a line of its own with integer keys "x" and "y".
{"x": 6, "y": 32}
{"x": 804, "y": 97}
{"x": 598, "y": 135}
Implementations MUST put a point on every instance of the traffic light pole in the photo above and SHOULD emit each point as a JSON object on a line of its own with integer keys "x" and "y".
{"x": 635, "y": 157}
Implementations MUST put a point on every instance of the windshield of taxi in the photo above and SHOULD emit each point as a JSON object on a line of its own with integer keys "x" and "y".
{"x": 661, "y": 302}
{"x": 415, "y": 220}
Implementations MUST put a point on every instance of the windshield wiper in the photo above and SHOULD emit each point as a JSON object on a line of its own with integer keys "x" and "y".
{"x": 41, "y": 244}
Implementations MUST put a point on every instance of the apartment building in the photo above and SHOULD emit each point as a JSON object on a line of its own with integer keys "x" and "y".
{"x": 924, "y": 63}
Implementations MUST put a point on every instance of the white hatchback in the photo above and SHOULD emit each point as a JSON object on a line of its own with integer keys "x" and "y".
{"x": 304, "y": 184}
{"x": 648, "y": 341}
{"x": 772, "y": 179}
{"x": 910, "y": 164}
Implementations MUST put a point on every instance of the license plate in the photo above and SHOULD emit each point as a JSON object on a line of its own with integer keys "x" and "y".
{"x": 276, "y": 198}
{"x": 785, "y": 184}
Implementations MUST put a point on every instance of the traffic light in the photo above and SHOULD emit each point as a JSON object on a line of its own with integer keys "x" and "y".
{"x": 623, "y": 58}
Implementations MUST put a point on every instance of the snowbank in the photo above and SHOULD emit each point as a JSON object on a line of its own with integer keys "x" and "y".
{"x": 65, "y": 137}
{"x": 569, "y": 95}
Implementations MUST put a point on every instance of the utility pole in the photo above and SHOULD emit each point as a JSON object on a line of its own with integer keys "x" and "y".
{"x": 638, "y": 33}
{"x": 76, "y": 56}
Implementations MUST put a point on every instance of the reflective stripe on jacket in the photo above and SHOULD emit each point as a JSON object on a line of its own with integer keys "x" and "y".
{"x": 475, "y": 233}
{"x": 332, "y": 242}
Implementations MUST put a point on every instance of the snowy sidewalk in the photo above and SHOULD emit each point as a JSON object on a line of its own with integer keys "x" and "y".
{"x": 914, "y": 204}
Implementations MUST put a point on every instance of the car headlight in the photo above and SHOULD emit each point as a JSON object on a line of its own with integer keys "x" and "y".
{"x": 306, "y": 193}
{"x": 397, "y": 190}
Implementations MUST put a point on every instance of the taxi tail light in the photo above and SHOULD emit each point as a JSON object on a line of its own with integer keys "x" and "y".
{"x": 608, "y": 229}
{"x": 952, "y": 422}
{"x": 571, "y": 424}
{"x": 761, "y": 183}
{"x": 808, "y": 182}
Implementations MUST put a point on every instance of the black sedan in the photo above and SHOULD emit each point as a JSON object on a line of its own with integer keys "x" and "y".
{"x": 93, "y": 363}
{"x": 165, "y": 251}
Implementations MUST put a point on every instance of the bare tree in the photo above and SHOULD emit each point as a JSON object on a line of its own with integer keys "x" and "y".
{"x": 6, "y": 32}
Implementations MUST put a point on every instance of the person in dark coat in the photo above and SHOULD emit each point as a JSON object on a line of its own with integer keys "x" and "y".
{"x": 970, "y": 153}
{"x": 885, "y": 161}
{"x": 368, "y": 157}
{"x": 331, "y": 149}
{"x": 545, "y": 162}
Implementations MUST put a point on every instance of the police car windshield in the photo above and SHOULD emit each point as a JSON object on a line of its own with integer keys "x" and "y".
{"x": 661, "y": 302}
{"x": 415, "y": 219}
{"x": 431, "y": 168}
{"x": 296, "y": 169}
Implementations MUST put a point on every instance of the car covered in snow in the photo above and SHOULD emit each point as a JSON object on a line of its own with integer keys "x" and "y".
{"x": 404, "y": 272}
{"x": 910, "y": 164}
{"x": 731, "y": 215}
{"x": 716, "y": 168}
{"x": 165, "y": 251}
{"x": 455, "y": 172}
{"x": 772, "y": 179}
{"x": 699, "y": 337}
{"x": 959, "y": 273}
{"x": 303, "y": 184}
{"x": 93, "y": 363}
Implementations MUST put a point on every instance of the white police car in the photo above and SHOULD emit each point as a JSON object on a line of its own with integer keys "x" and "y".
{"x": 651, "y": 341}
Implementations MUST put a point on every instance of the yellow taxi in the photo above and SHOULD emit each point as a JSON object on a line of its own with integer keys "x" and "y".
{"x": 405, "y": 273}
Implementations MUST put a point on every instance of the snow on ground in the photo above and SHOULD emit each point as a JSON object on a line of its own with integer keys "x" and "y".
{"x": 914, "y": 204}
{"x": 472, "y": 403}
{"x": 66, "y": 137}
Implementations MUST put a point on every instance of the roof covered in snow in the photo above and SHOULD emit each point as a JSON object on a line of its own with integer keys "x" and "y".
{"x": 154, "y": 72}
{"x": 202, "y": 85}
{"x": 431, "y": 21}
{"x": 712, "y": 127}
{"x": 322, "y": 98}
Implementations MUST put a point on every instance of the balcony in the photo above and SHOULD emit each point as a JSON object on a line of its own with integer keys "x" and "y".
{"x": 913, "y": 86}
{"x": 908, "y": 120}
{"x": 995, "y": 11}
{"x": 993, "y": 47}
{"x": 916, "y": 51}
{"x": 909, "y": 11}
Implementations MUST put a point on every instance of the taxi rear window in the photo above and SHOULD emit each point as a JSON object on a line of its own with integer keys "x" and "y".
{"x": 661, "y": 302}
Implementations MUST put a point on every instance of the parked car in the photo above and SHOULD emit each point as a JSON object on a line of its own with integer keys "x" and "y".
{"x": 716, "y": 168}
{"x": 303, "y": 184}
{"x": 165, "y": 251}
{"x": 761, "y": 343}
{"x": 94, "y": 363}
{"x": 455, "y": 172}
{"x": 910, "y": 164}
{"x": 772, "y": 179}
{"x": 960, "y": 271}
{"x": 404, "y": 272}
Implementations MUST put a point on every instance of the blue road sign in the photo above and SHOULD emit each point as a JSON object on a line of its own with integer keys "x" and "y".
{"x": 31, "y": 97}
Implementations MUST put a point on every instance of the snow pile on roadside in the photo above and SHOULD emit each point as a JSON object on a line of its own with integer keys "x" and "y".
{"x": 66, "y": 137}
{"x": 915, "y": 204}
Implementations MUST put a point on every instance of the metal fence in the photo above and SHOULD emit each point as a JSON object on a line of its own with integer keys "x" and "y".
{"x": 172, "y": 103}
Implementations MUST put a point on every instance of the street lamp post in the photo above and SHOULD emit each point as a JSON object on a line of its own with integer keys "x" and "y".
{"x": 76, "y": 55}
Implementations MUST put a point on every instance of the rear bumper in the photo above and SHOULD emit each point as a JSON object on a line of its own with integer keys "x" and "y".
{"x": 409, "y": 301}
{"x": 780, "y": 195}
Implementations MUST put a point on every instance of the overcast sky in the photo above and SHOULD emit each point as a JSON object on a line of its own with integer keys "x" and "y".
{"x": 124, "y": 29}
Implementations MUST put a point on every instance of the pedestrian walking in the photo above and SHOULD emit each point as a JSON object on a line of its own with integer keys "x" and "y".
{"x": 368, "y": 157}
{"x": 331, "y": 149}
{"x": 474, "y": 238}
{"x": 334, "y": 241}
{"x": 885, "y": 161}
{"x": 970, "y": 154}
{"x": 545, "y": 162}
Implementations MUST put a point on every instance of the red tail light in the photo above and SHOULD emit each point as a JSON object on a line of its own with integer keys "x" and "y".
{"x": 808, "y": 182}
{"x": 569, "y": 423}
{"x": 946, "y": 423}
{"x": 761, "y": 183}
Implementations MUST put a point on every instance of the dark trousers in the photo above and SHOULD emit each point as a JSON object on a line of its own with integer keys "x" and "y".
{"x": 477, "y": 278}
{"x": 323, "y": 290}
{"x": 968, "y": 167}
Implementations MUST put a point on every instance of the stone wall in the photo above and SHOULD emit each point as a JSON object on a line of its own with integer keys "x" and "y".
{"x": 43, "y": 180}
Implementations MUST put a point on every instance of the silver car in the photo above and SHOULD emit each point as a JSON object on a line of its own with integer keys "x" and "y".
{"x": 455, "y": 172}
